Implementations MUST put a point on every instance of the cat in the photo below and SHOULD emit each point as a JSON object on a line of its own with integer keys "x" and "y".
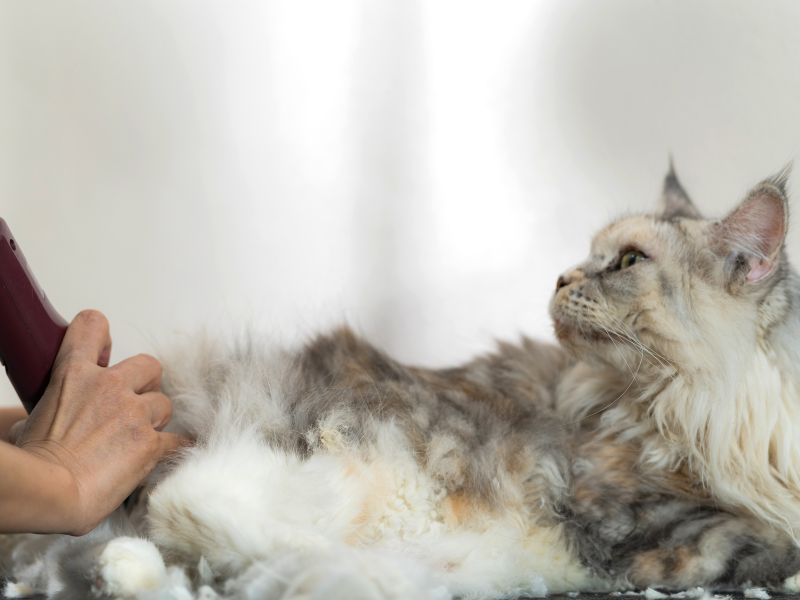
{"x": 657, "y": 445}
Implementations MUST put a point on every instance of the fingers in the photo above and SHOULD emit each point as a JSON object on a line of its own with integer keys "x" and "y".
{"x": 160, "y": 408}
{"x": 9, "y": 416}
{"x": 172, "y": 442}
{"x": 105, "y": 355}
{"x": 87, "y": 338}
{"x": 142, "y": 372}
{"x": 16, "y": 431}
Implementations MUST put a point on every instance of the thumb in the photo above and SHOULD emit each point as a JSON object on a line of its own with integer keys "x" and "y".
{"x": 16, "y": 431}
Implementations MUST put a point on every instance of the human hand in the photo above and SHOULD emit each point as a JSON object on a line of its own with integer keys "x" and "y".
{"x": 100, "y": 424}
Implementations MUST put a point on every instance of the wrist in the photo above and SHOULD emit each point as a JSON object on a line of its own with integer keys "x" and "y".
{"x": 66, "y": 502}
{"x": 45, "y": 497}
{"x": 63, "y": 495}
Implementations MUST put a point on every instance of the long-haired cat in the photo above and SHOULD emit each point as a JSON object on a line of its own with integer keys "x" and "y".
{"x": 658, "y": 446}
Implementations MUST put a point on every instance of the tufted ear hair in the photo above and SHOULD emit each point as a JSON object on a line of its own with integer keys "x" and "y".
{"x": 675, "y": 202}
{"x": 752, "y": 235}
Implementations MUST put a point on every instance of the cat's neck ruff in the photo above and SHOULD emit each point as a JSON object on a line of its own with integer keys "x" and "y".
{"x": 741, "y": 438}
{"x": 738, "y": 430}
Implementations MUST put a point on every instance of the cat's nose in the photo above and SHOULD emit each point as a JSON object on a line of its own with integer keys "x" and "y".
{"x": 573, "y": 275}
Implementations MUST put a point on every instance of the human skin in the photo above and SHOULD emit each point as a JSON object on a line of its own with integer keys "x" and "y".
{"x": 8, "y": 417}
{"x": 94, "y": 435}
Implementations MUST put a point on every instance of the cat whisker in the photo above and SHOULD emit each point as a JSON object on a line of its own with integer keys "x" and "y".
{"x": 626, "y": 337}
{"x": 669, "y": 372}
{"x": 629, "y": 336}
{"x": 580, "y": 325}
{"x": 655, "y": 354}
{"x": 625, "y": 391}
{"x": 623, "y": 357}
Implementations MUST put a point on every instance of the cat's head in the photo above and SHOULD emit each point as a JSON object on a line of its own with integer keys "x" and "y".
{"x": 675, "y": 288}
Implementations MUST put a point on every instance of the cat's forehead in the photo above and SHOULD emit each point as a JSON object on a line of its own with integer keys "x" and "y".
{"x": 649, "y": 234}
{"x": 639, "y": 232}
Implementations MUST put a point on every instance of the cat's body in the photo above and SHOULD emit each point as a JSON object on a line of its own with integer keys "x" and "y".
{"x": 657, "y": 448}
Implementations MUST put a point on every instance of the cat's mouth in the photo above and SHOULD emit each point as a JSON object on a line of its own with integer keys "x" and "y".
{"x": 570, "y": 330}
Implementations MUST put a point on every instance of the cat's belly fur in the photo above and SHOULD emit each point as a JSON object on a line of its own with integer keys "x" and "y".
{"x": 249, "y": 501}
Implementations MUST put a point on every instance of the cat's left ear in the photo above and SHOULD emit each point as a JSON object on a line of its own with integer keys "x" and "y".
{"x": 751, "y": 237}
{"x": 675, "y": 202}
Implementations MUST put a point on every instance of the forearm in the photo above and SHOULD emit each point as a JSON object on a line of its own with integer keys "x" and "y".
{"x": 35, "y": 494}
{"x": 9, "y": 416}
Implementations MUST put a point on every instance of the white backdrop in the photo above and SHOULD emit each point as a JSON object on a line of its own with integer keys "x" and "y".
{"x": 421, "y": 169}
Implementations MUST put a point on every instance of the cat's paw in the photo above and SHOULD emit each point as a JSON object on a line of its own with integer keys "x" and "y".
{"x": 792, "y": 584}
{"x": 18, "y": 590}
{"x": 127, "y": 567}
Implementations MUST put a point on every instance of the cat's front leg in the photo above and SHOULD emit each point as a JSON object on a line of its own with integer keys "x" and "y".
{"x": 109, "y": 562}
{"x": 792, "y": 584}
{"x": 66, "y": 567}
{"x": 722, "y": 552}
{"x": 127, "y": 567}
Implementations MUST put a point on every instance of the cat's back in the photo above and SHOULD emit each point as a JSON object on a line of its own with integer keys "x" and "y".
{"x": 468, "y": 428}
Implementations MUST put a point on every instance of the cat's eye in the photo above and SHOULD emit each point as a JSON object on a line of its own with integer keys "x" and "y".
{"x": 630, "y": 258}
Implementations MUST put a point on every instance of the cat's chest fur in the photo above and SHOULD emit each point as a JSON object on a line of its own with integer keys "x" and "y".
{"x": 735, "y": 434}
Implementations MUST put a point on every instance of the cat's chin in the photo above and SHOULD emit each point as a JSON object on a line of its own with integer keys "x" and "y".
{"x": 571, "y": 333}
{"x": 585, "y": 343}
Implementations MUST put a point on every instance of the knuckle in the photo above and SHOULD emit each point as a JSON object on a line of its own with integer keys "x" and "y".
{"x": 143, "y": 416}
{"x": 122, "y": 406}
{"x": 92, "y": 317}
{"x": 150, "y": 362}
{"x": 136, "y": 415}
{"x": 148, "y": 443}
{"x": 114, "y": 383}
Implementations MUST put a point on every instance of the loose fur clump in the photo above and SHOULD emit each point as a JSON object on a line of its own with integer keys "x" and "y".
{"x": 657, "y": 446}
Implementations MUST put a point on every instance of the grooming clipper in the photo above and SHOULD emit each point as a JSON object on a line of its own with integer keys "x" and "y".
{"x": 31, "y": 330}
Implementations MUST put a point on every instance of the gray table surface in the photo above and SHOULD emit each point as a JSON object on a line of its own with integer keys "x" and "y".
{"x": 734, "y": 595}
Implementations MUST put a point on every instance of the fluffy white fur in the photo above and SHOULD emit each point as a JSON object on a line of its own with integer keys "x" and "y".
{"x": 127, "y": 567}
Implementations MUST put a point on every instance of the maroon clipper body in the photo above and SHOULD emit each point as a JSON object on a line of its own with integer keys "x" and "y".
{"x": 31, "y": 330}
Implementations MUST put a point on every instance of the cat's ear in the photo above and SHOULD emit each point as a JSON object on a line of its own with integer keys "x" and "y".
{"x": 752, "y": 235}
{"x": 675, "y": 202}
